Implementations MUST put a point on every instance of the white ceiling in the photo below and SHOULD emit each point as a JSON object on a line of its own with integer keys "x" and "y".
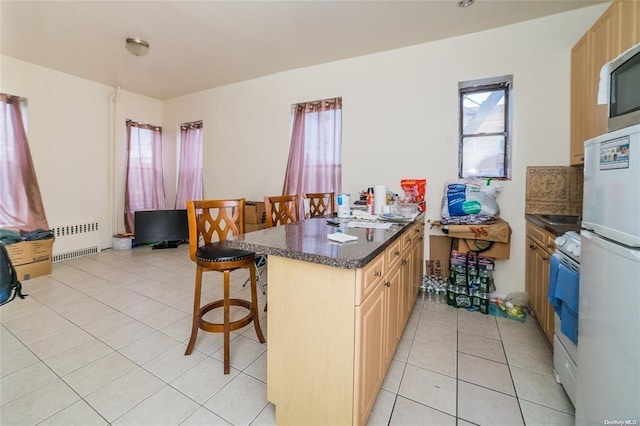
{"x": 197, "y": 45}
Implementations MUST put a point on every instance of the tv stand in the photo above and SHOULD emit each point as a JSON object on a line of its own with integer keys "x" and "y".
{"x": 166, "y": 244}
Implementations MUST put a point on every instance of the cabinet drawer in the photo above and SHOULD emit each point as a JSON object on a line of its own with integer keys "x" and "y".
{"x": 370, "y": 276}
{"x": 394, "y": 252}
{"x": 410, "y": 237}
{"x": 417, "y": 231}
{"x": 543, "y": 238}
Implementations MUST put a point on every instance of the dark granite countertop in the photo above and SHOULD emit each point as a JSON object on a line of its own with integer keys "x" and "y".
{"x": 554, "y": 228}
{"x": 307, "y": 240}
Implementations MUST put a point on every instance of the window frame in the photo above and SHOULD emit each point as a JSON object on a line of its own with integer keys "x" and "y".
{"x": 494, "y": 84}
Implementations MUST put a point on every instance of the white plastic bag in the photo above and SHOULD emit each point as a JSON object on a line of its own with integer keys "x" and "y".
{"x": 470, "y": 197}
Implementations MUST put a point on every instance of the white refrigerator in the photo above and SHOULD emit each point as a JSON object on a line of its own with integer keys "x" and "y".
{"x": 608, "y": 382}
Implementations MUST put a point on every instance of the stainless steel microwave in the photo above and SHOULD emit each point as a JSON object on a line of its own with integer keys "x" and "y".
{"x": 624, "y": 90}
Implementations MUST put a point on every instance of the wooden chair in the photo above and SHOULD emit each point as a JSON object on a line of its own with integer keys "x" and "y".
{"x": 321, "y": 203}
{"x": 211, "y": 222}
{"x": 281, "y": 209}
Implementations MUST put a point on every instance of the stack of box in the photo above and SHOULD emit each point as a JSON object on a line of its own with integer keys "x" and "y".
{"x": 31, "y": 258}
{"x": 254, "y": 216}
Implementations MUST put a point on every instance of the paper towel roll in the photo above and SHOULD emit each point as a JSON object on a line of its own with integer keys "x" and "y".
{"x": 379, "y": 198}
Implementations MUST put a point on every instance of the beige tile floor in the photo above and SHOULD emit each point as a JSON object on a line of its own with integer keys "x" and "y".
{"x": 101, "y": 341}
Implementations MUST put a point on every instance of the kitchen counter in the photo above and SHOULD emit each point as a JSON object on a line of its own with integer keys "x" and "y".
{"x": 555, "y": 228}
{"x": 336, "y": 312}
{"x": 307, "y": 240}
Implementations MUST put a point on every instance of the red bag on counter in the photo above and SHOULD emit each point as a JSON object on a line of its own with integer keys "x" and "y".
{"x": 414, "y": 191}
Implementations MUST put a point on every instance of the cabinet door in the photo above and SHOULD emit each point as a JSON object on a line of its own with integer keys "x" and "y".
{"x": 407, "y": 280}
{"x": 546, "y": 308}
{"x": 537, "y": 286}
{"x": 393, "y": 311}
{"x": 418, "y": 261}
{"x": 602, "y": 49}
{"x": 370, "y": 351}
{"x": 532, "y": 278}
{"x": 580, "y": 95}
{"x": 628, "y": 17}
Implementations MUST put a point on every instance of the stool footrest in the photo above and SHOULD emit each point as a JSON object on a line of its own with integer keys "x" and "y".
{"x": 233, "y": 325}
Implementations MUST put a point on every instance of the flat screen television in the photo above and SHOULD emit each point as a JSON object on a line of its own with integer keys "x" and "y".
{"x": 162, "y": 228}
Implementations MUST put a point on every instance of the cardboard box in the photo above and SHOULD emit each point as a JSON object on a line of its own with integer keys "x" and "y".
{"x": 30, "y": 251}
{"x": 437, "y": 268}
{"x": 250, "y": 227}
{"x": 499, "y": 231}
{"x": 497, "y": 250}
{"x": 31, "y": 258}
{"x": 33, "y": 270}
{"x": 254, "y": 212}
{"x": 440, "y": 247}
{"x": 439, "y": 255}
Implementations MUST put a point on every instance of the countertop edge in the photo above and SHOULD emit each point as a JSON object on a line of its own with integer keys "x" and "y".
{"x": 312, "y": 258}
{"x": 555, "y": 229}
{"x": 354, "y": 263}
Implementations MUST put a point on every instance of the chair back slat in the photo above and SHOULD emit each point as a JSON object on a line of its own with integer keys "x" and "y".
{"x": 321, "y": 203}
{"x": 213, "y": 220}
{"x": 281, "y": 209}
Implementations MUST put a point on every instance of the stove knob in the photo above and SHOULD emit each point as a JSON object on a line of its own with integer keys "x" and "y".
{"x": 571, "y": 247}
{"x": 577, "y": 252}
{"x": 560, "y": 241}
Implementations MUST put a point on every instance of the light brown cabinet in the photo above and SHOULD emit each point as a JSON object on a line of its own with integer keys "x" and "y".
{"x": 613, "y": 33}
{"x": 383, "y": 314}
{"x": 371, "y": 337}
{"x": 540, "y": 247}
{"x": 580, "y": 96}
{"x": 333, "y": 331}
{"x": 628, "y": 15}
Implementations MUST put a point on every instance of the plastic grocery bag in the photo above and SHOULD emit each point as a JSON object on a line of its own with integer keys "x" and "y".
{"x": 470, "y": 197}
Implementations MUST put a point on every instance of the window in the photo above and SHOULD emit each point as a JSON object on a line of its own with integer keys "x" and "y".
{"x": 315, "y": 155}
{"x": 190, "y": 167}
{"x": 485, "y": 125}
{"x": 21, "y": 205}
{"x": 145, "y": 178}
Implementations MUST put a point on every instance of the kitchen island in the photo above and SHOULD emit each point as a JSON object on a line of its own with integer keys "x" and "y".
{"x": 336, "y": 314}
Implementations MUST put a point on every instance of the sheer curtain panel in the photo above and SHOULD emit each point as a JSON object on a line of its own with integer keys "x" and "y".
{"x": 145, "y": 179}
{"x": 190, "y": 168}
{"x": 315, "y": 155}
{"x": 21, "y": 204}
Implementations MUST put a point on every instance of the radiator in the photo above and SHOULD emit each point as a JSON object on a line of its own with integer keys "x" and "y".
{"x": 74, "y": 241}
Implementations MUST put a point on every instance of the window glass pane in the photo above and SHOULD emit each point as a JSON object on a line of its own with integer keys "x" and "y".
{"x": 483, "y": 156}
{"x": 483, "y": 112}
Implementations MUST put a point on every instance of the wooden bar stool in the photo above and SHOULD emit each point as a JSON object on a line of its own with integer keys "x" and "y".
{"x": 213, "y": 221}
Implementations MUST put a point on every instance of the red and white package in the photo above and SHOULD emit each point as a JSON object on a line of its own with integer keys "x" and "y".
{"x": 414, "y": 192}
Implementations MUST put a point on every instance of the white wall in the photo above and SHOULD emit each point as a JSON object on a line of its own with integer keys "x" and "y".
{"x": 399, "y": 120}
{"x": 71, "y": 137}
{"x": 400, "y": 117}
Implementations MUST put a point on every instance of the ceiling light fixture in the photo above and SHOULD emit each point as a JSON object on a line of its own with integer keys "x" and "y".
{"x": 465, "y": 3}
{"x": 137, "y": 46}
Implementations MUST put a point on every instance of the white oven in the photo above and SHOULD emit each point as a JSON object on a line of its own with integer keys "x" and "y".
{"x": 564, "y": 290}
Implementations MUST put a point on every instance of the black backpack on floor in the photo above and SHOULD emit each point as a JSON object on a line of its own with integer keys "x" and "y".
{"x": 10, "y": 287}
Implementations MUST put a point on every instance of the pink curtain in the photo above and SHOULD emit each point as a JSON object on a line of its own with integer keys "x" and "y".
{"x": 145, "y": 180}
{"x": 21, "y": 206}
{"x": 315, "y": 155}
{"x": 190, "y": 168}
